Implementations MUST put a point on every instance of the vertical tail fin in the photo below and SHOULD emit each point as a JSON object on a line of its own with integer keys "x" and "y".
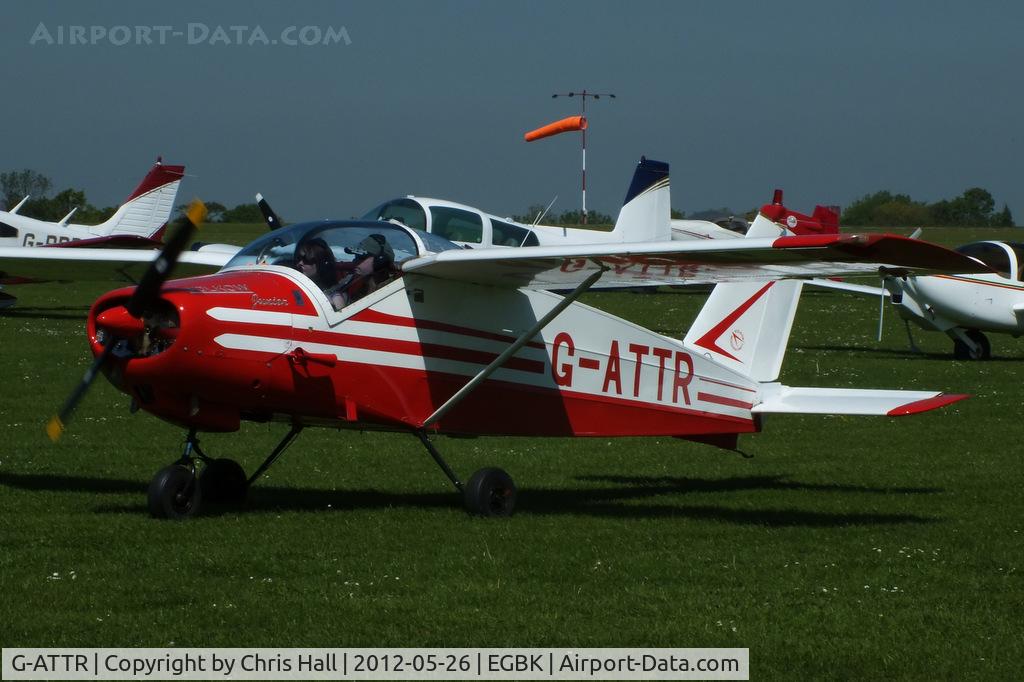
{"x": 746, "y": 325}
{"x": 145, "y": 212}
{"x": 646, "y": 212}
{"x": 824, "y": 220}
{"x": 828, "y": 216}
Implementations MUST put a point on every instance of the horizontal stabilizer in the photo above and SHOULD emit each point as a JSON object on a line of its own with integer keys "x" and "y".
{"x": 779, "y": 399}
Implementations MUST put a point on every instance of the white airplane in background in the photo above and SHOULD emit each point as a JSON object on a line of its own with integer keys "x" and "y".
{"x": 645, "y": 217}
{"x": 139, "y": 222}
{"x": 963, "y": 306}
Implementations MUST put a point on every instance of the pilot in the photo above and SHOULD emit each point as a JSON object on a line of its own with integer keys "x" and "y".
{"x": 314, "y": 259}
{"x": 372, "y": 262}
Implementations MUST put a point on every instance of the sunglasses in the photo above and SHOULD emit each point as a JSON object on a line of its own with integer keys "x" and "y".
{"x": 307, "y": 258}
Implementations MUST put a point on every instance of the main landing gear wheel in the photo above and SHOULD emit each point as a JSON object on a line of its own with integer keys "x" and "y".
{"x": 174, "y": 493}
{"x": 490, "y": 492}
{"x": 961, "y": 351}
{"x": 223, "y": 481}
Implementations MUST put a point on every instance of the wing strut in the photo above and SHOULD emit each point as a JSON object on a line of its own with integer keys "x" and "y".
{"x": 513, "y": 349}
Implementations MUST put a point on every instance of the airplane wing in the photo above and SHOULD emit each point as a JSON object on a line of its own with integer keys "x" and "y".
{"x": 38, "y": 263}
{"x": 690, "y": 262}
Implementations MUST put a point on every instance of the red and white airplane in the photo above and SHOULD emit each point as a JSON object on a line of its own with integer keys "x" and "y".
{"x": 435, "y": 339}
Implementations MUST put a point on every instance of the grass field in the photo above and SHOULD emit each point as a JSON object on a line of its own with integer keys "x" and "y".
{"x": 843, "y": 547}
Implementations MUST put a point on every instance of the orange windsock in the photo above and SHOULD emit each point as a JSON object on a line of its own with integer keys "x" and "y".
{"x": 566, "y": 125}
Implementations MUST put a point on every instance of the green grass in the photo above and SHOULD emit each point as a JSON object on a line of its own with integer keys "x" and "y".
{"x": 844, "y": 547}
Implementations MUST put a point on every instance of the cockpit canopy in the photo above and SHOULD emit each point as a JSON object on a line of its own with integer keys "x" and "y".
{"x": 343, "y": 237}
{"x": 1003, "y": 257}
{"x": 461, "y": 224}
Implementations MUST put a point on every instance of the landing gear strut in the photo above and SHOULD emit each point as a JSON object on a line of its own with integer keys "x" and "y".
{"x": 177, "y": 490}
{"x": 490, "y": 491}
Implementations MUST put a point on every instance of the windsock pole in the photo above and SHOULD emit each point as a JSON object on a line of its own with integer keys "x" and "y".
{"x": 584, "y": 175}
{"x": 583, "y": 96}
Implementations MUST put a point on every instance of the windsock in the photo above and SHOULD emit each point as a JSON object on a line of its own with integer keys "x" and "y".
{"x": 566, "y": 125}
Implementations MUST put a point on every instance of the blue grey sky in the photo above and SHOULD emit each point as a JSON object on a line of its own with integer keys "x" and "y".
{"x": 828, "y": 100}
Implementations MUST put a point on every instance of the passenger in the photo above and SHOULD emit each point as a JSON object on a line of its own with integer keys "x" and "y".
{"x": 314, "y": 259}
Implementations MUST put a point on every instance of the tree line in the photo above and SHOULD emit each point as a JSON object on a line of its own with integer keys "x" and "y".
{"x": 974, "y": 208}
{"x": 16, "y": 185}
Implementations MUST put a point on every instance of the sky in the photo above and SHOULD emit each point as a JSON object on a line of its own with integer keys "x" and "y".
{"x": 828, "y": 100}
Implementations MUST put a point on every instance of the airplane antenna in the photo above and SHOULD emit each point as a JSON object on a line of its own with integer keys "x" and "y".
{"x": 543, "y": 213}
{"x": 583, "y": 96}
{"x": 20, "y": 204}
{"x": 64, "y": 221}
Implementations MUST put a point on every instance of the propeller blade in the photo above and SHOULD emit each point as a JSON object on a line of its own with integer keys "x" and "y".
{"x": 160, "y": 270}
{"x": 273, "y": 222}
{"x": 58, "y": 423}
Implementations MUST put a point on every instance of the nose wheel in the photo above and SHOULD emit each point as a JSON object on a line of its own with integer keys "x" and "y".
{"x": 174, "y": 493}
{"x": 177, "y": 490}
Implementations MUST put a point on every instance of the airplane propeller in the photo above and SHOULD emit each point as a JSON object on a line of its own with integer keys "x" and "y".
{"x": 271, "y": 218}
{"x": 145, "y": 295}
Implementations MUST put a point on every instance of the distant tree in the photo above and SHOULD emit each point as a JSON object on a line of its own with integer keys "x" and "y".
{"x": 530, "y": 215}
{"x": 215, "y": 212}
{"x": 1003, "y": 218}
{"x": 974, "y": 208}
{"x": 713, "y": 213}
{"x": 886, "y": 208}
{"x": 677, "y": 215}
{"x": 16, "y": 185}
{"x": 901, "y": 213}
{"x": 977, "y": 207}
{"x": 58, "y": 206}
{"x": 91, "y": 215}
{"x": 576, "y": 218}
{"x": 242, "y": 213}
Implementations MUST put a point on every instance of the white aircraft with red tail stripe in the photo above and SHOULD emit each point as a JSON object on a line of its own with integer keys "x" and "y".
{"x": 375, "y": 325}
{"x": 139, "y": 221}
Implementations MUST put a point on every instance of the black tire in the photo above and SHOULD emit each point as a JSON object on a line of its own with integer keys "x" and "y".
{"x": 490, "y": 492}
{"x": 223, "y": 481}
{"x": 174, "y": 493}
{"x": 961, "y": 351}
{"x": 983, "y": 343}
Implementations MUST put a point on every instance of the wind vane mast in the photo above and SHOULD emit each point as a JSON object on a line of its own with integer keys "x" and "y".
{"x": 573, "y": 123}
